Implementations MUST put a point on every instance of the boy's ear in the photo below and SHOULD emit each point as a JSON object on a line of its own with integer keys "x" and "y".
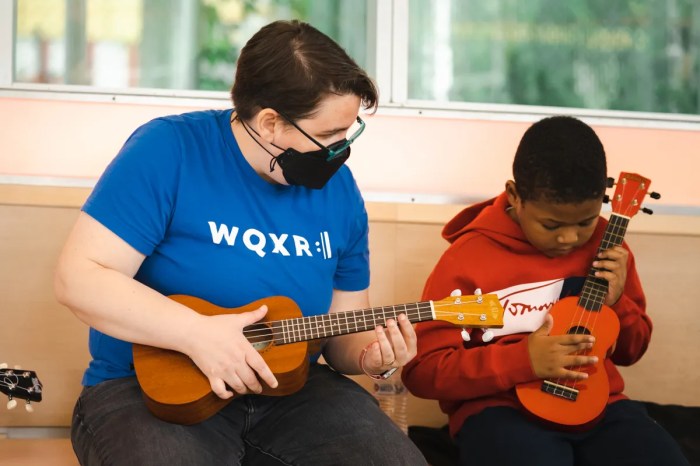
{"x": 512, "y": 193}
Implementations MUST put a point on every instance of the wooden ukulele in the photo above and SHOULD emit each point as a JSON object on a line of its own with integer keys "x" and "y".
{"x": 579, "y": 404}
{"x": 175, "y": 390}
{"x": 20, "y": 384}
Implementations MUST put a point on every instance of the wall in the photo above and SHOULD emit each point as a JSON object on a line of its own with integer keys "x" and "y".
{"x": 457, "y": 158}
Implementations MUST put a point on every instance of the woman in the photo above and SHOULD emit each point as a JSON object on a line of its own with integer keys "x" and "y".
{"x": 234, "y": 206}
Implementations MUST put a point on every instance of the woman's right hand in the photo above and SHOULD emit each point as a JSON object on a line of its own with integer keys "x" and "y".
{"x": 219, "y": 348}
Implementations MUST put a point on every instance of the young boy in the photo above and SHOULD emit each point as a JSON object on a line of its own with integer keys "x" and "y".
{"x": 533, "y": 245}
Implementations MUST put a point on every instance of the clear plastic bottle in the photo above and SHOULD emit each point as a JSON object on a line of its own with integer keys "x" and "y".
{"x": 393, "y": 400}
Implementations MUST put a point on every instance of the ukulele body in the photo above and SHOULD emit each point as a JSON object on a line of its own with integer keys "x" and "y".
{"x": 551, "y": 400}
{"x": 174, "y": 388}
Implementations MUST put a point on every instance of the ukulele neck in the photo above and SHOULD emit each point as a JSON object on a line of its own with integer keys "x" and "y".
{"x": 341, "y": 323}
{"x": 595, "y": 288}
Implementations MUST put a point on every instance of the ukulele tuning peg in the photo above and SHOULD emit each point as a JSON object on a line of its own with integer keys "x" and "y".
{"x": 610, "y": 182}
{"x": 487, "y": 336}
{"x": 465, "y": 335}
{"x": 647, "y": 211}
{"x": 606, "y": 199}
{"x": 12, "y": 403}
{"x": 456, "y": 292}
{"x": 654, "y": 195}
{"x": 28, "y": 406}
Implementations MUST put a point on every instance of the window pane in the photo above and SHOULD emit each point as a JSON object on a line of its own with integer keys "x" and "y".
{"x": 169, "y": 44}
{"x": 641, "y": 55}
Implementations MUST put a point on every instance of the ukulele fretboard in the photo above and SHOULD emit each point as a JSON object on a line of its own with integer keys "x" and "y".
{"x": 341, "y": 323}
{"x": 594, "y": 289}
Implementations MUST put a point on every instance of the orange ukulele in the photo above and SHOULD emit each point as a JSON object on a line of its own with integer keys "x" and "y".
{"x": 175, "y": 390}
{"x": 578, "y": 404}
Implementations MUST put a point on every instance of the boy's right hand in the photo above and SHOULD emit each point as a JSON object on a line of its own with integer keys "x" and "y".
{"x": 552, "y": 355}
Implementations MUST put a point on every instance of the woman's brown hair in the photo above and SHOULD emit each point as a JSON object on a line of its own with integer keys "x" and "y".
{"x": 290, "y": 66}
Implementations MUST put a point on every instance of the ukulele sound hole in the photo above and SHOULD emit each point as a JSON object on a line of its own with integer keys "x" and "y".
{"x": 259, "y": 335}
{"x": 579, "y": 330}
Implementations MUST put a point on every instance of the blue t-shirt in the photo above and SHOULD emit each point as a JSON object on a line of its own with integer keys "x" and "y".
{"x": 181, "y": 193}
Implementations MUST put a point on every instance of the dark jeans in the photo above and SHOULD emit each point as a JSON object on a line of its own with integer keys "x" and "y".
{"x": 331, "y": 421}
{"x": 625, "y": 436}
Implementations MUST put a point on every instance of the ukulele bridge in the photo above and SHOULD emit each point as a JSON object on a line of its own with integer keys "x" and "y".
{"x": 559, "y": 390}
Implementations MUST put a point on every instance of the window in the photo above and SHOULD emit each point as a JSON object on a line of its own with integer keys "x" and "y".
{"x": 630, "y": 55}
{"x": 165, "y": 44}
{"x": 640, "y": 55}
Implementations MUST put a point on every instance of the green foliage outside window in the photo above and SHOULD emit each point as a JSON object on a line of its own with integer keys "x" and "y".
{"x": 641, "y": 55}
{"x": 636, "y": 55}
{"x": 220, "y": 38}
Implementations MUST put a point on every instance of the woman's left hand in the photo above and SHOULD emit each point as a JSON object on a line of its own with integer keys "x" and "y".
{"x": 394, "y": 347}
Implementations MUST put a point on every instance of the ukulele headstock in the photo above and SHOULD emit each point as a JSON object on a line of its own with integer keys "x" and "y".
{"x": 20, "y": 384}
{"x": 630, "y": 190}
{"x": 481, "y": 310}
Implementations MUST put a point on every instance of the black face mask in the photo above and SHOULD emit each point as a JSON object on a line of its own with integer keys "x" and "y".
{"x": 310, "y": 169}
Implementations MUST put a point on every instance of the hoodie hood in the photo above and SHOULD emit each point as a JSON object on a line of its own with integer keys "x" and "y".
{"x": 490, "y": 219}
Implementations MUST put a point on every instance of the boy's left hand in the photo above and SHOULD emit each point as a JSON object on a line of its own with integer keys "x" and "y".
{"x": 612, "y": 266}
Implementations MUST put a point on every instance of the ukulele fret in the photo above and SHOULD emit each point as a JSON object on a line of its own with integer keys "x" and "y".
{"x": 318, "y": 327}
{"x": 278, "y": 332}
{"x": 347, "y": 326}
{"x": 369, "y": 319}
{"x": 302, "y": 329}
{"x": 361, "y": 317}
{"x": 297, "y": 325}
{"x": 326, "y": 327}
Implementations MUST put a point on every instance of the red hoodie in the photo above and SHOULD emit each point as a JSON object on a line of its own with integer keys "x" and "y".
{"x": 489, "y": 251}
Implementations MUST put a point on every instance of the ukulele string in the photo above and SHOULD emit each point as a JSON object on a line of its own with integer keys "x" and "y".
{"x": 420, "y": 308}
{"x": 309, "y": 324}
{"x": 597, "y": 295}
{"x": 308, "y": 327}
{"x": 325, "y": 319}
{"x": 589, "y": 306}
{"x": 617, "y": 229}
{"x": 11, "y": 381}
{"x": 586, "y": 300}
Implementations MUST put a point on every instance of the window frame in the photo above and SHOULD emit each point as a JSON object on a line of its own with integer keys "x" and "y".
{"x": 387, "y": 41}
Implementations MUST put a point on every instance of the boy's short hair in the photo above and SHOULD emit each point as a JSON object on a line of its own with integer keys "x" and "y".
{"x": 560, "y": 159}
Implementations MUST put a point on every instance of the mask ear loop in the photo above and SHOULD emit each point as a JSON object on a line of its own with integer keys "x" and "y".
{"x": 273, "y": 161}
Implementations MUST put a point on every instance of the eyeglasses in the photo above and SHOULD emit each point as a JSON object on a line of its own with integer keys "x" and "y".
{"x": 338, "y": 149}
